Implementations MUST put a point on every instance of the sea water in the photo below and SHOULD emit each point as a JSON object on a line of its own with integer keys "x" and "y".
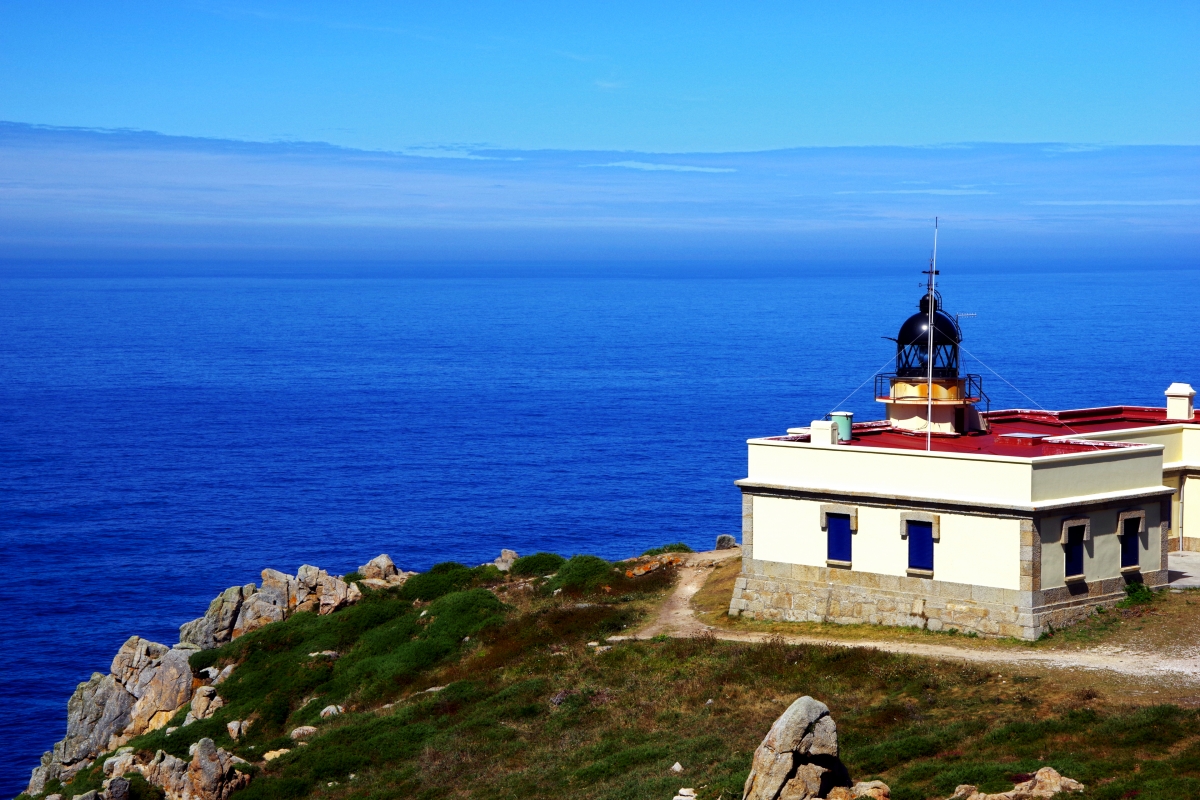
{"x": 162, "y": 439}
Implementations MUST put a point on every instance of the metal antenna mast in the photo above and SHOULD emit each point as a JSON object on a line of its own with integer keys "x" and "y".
{"x": 929, "y": 350}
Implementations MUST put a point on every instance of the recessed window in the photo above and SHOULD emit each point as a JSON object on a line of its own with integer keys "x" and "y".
{"x": 840, "y": 537}
{"x": 920, "y": 545}
{"x": 1074, "y": 551}
{"x": 1131, "y": 544}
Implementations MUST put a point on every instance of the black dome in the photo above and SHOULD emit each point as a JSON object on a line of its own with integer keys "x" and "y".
{"x": 915, "y": 329}
{"x": 912, "y": 343}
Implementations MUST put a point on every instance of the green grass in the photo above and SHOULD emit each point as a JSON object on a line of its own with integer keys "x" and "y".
{"x": 528, "y": 710}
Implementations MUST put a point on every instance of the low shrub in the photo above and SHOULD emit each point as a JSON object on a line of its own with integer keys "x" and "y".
{"x": 447, "y": 577}
{"x": 675, "y": 547}
{"x": 583, "y": 574}
{"x": 538, "y": 564}
{"x": 1137, "y": 594}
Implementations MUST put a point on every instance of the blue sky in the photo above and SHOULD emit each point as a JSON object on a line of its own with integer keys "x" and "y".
{"x": 1042, "y": 134}
{"x": 662, "y": 77}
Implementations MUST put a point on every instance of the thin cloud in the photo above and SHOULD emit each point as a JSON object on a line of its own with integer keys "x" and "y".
{"x": 1114, "y": 203}
{"x": 920, "y": 191}
{"x": 650, "y": 167}
{"x": 609, "y": 86}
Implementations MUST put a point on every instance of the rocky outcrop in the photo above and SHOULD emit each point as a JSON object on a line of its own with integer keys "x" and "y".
{"x": 211, "y": 774}
{"x": 647, "y": 564}
{"x": 798, "y": 760}
{"x": 215, "y": 628}
{"x": 97, "y": 713}
{"x": 149, "y": 682}
{"x": 159, "y": 677}
{"x": 1046, "y": 782}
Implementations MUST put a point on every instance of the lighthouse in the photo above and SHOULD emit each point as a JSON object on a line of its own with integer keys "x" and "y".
{"x": 945, "y": 514}
{"x": 929, "y": 394}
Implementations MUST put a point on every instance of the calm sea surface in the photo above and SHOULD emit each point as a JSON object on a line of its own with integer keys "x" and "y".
{"x": 161, "y": 439}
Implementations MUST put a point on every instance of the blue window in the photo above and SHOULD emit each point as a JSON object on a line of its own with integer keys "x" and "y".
{"x": 1130, "y": 545}
{"x": 1074, "y": 550}
{"x": 838, "y": 526}
{"x": 920, "y": 545}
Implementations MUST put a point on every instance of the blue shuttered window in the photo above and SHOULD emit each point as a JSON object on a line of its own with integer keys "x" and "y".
{"x": 920, "y": 545}
{"x": 838, "y": 526}
{"x": 1130, "y": 544}
{"x": 1074, "y": 551}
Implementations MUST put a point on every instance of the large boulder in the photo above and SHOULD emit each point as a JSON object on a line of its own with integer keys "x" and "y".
{"x": 307, "y": 596}
{"x": 380, "y": 568}
{"x": 726, "y": 542}
{"x": 257, "y": 611}
{"x": 205, "y": 702}
{"x": 212, "y": 773}
{"x": 279, "y": 589}
{"x": 505, "y": 561}
{"x": 798, "y": 759}
{"x": 215, "y": 628}
{"x": 159, "y": 677}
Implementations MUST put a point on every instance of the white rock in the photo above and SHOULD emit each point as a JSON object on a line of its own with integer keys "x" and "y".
{"x": 302, "y": 732}
{"x": 677, "y": 767}
{"x": 505, "y": 561}
{"x": 380, "y": 568}
{"x": 331, "y": 711}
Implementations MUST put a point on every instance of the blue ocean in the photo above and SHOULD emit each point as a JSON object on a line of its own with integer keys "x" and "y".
{"x": 164, "y": 438}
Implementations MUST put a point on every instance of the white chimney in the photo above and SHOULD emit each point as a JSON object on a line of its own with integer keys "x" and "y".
{"x": 824, "y": 431}
{"x": 1179, "y": 402}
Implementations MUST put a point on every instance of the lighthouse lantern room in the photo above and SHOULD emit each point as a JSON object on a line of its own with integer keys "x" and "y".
{"x": 931, "y": 398}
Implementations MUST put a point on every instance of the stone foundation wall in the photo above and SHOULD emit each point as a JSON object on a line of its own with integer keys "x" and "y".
{"x": 798, "y": 593}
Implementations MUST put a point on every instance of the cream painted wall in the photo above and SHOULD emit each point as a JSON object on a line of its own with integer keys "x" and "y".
{"x": 981, "y": 550}
{"x": 878, "y": 546}
{"x": 1191, "y": 507}
{"x": 891, "y": 472}
{"x": 975, "y": 550}
{"x": 1102, "y": 555}
{"x": 1124, "y": 469}
{"x": 788, "y": 531}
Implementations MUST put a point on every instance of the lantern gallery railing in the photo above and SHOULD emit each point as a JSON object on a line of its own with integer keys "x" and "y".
{"x": 889, "y": 388}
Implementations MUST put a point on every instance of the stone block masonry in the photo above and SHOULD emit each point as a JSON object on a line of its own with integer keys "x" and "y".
{"x": 798, "y": 593}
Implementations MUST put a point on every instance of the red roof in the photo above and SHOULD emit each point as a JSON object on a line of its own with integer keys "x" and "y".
{"x": 1019, "y": 433}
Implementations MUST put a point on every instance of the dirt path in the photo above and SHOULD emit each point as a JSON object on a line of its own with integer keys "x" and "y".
{"x": 677, "y": 618}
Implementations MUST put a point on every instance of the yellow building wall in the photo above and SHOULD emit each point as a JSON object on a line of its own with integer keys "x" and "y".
{"x": 983, "y": 551}
{"x": 1124, "y": 469}
{"x": 1101, "y": 555}
{"x": 891, "y": 472}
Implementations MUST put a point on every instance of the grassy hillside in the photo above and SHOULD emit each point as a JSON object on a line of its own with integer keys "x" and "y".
{"x": 529, "y": 710}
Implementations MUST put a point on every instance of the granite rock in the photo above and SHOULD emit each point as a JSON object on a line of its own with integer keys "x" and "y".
{"x": 380, "y": 567}
{"x": 798, "y": 758}
{"x": 505, "y": 561}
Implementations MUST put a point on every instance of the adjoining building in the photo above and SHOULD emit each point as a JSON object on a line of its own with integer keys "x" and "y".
{"x": 948, "y": 515}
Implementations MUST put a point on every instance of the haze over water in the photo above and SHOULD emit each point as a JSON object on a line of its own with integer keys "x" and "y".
{"x": 163, "y": 438}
